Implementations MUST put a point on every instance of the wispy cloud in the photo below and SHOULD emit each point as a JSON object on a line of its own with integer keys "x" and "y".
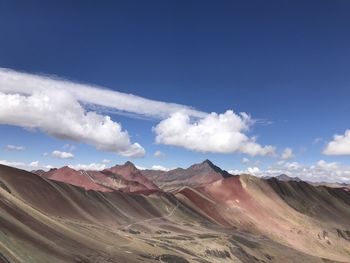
{"x": 317, "y": 140}
{"x": 159, "y": 154}
{"x": 69, "y": 147}
{"x": 287, "y": 154}
{"x": 11, "y": 147}
{"x": 17, "y": 82}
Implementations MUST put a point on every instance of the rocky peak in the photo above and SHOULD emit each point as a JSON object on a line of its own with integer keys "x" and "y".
{"x": 207, "y": 166}
{"x": 129, "y": 164}
{"x": 284, "y": 177}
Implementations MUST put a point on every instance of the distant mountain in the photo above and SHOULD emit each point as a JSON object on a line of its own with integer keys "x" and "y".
{"x": 71, "y": 176}
{"x": 39, "y": 172}
{"x": 284, "y": 177}
{"x": 129, "y": 172}
{"x": 197, "y": 174}
{"x": 345, "y": 186}
{"x": 153, "y": 175}
{"x": 125, "y": 177}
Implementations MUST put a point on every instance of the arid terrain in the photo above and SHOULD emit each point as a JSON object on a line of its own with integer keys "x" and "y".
{"x": 199, "y": 214}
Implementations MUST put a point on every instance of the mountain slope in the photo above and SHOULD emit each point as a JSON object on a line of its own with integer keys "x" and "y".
{"x": 129, "y": 172}
{"x": 77, "y": 178}
{"x": 125, "y": 178}
{"x": 197, "y": 174}
{"x": 234, "y": 219}
{"x": 273, "y": 209}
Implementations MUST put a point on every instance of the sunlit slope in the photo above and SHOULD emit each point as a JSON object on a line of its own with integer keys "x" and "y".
{"x": 314, "y": 220}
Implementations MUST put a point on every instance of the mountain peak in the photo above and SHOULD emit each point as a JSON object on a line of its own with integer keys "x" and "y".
{"x": 65, "y": 168}
{"x": 208, "y": 166}
{"x": 284, "y": 177}
{"x": 208, "y": 162}
{"x": 128, "y": 163}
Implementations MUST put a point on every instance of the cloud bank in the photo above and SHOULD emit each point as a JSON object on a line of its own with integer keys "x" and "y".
{"x": 26, "y": 166}
{"x": 60, "y": 108}
{"x": 321, "y": 171}
{"x": 339, "y": 146}
{"x": 90, "y": 166}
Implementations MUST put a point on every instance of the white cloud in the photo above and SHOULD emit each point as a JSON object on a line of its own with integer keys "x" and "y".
{"x": 339, "y": 146}
{"x": 34, "y": 164}
{"x": 154, "y": 167}
{"x": 90, "y": 166}
{"x": 59, "y": 108}
{"x": 11, "y": 147}
{"x": 321, "y": 171}
{"x": 141, "y": 167}
{"x": 26, "y": 166}
{"x": 287, "y": 154}
{"x": 159, "y": 154}
{"x": 218, "y": 133}
{"x": 253, "y": 170}
{"x": 60, "y": 115}
{"x": 245, "y": 160}
{"x": 161, "y": 168}
{"x": 250, "y": 170}
{"x": 11, "y": 163}
{"x": 62, "y": 155}
{"x": 106, "y": 161}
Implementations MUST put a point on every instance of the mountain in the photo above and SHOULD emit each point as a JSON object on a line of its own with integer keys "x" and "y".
{"x": 154, "y": 176}
{"x": 226, "y": 219}
{"x": 126, "y": 178}
{"x": 71, "y": 176}
{"x": 284, "y": 177}
{"x": 345, "y": 186}
{"x": 313, "y": 220}
{"x": 197, "y": 174}
{"x": 129, "y": 172}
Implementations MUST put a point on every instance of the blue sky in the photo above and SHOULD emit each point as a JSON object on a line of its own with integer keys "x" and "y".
{"x": 285, "y": 63}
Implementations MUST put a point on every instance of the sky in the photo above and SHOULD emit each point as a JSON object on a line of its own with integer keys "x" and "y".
{"x": 255, "y": 86}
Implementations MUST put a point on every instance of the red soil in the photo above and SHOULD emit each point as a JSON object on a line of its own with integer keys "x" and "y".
{"x": 78, "y": 178}
{"x": 130, "y": 173}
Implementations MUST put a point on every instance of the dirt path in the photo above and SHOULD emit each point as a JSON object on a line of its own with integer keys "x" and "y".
{"x": 171, "y": 213}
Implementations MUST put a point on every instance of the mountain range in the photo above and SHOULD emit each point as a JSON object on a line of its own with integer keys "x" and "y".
{"x": 199, "y": 214}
